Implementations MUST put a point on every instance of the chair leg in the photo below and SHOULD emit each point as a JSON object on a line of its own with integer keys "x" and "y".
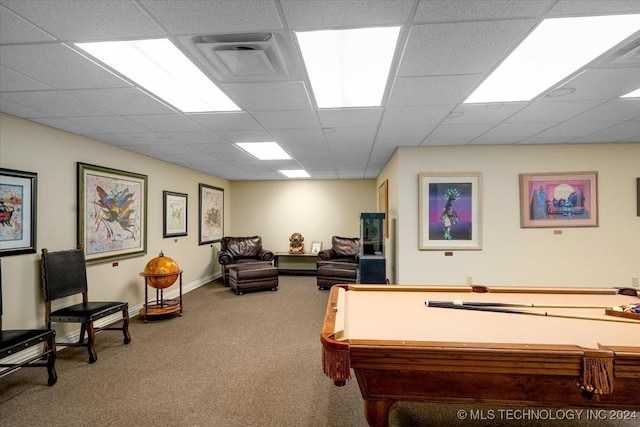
{"x": 50, "y": 345}
{"x": 93, "y": 356}
{"x": 83, "y": 329}
{"x": 125, "y": 326}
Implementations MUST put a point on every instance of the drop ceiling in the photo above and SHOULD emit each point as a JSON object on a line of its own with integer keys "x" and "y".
{"x": 446, "y": 49}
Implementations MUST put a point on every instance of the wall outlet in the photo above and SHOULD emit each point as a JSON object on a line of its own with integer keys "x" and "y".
{"x": 635, "y": 282}
{"x": 469, "y": 280}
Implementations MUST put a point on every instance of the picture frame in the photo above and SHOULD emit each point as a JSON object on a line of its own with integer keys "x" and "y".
{"x": 383, "y": 204}
{"x": 449, "y": 211}
{"x": 210, "y": 214}
{"x": 316, "y": 247}
{"x": 174, "y": 214}
{"x": 112, "y": 213}
{"x": 559, "y": 200}
{"x": 18, "y": 205}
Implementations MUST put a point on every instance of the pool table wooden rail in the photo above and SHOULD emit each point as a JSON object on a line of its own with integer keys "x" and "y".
{"x": 522, "y": 374}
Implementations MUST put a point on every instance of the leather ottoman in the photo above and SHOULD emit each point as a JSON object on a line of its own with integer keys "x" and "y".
{"x": 255, "y": 276}
{"x": 330, "y": 273}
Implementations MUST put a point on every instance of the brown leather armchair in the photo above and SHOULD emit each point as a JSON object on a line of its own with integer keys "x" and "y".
{"x": 238, "y": 250}
{"x": 340, "y": 263}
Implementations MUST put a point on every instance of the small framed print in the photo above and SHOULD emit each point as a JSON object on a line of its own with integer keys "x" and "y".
{"x": 211, "y": 214}
{"x": 559, "y": 199}
{"x": 174, "y": 209}
{"x": 316, "y": 247}
{"x": 18, "y": 196}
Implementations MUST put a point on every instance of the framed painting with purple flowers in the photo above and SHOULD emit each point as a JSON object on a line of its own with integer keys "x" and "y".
{"x": 17, "y": 212}
{"x": 449, "y": 211}
{"x": 112, "y": 213}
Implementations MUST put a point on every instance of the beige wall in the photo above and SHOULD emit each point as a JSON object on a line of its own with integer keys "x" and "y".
{"x": 607, "y": 255}
{"x": 53, "y": 155}
{"x": 317, "y": 209}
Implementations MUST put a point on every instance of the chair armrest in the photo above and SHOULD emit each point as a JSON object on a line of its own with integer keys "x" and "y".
{"x": 225, "y": 257}
{"x": 266, "y": 255}
{"x": 326, "y": 254}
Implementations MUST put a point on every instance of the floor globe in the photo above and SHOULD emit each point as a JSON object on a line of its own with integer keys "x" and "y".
{"x": 161, "y": 272}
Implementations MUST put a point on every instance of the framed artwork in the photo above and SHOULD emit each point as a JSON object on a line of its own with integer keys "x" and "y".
{"x": 559, "y": 199}
{"x": 449, "y": 211}
{"x": 18, "y": 196}
{"x": 174, "y": 209}
{"x": 316, "y": 247}
{"x": 211, "y": 214}
{"x": 112, "y": 213}
{"x": 383, "y": 204}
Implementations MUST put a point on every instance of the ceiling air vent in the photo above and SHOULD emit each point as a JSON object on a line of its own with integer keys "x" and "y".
{"x": 244, "y": 57}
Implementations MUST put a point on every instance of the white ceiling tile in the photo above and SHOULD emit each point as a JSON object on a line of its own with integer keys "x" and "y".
{"x": 483, "y": 113}
{"x": 304, "y": 15}
{"x": 404, "y": 135}
{"x": 58, "y": 66}
{"x": 270, "y": 95}
{"x": 88, "y": 20}
{"x": 617, "y": 109}
{"x": 621, "y": 132}
{"x": 10, "y": 107}
{"x": 434, "y": 90}
{"x": 598, "y": 83}
{"x": 108, "y": 124}
{"x": 594, "y": 7}
{"x": 352, "y": 134}
{"x": 463, "y": 131}
{"x": 215, "y": 17}
{"x": 146, "y": 138}
{"x": 460, "y": 48}
{"x": 226, "y": 121}
{"x": 345, "y": 117}
{"x": 415, "y": 116}
{"x": 287, "y": 119}
{"x": 198, "y": 137}
{"x": 298, "y": 136}
{"x": 512, "y": 132}
{"x": 56, "y": 104}
{"x": 543, "y": 111}
{"x": 14, "y": 81}
{"x": 166, "y": 123}
{"x": 124, "y": 101}
{"x": 14, "y": 29}
{"x": 66, "y": 125}
{"x": 473, "y": 10}
{"x": 249, "y": 135}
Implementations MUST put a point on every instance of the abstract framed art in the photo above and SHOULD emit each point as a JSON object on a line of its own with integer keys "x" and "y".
{"x": 449, "y": 211}
{"x": 18, "y": 196}
{"x": 211, "y": 214}
{"x": 174, "y": 209}
{"x": 564, "y": 199}
{"x": 112, "y": 213}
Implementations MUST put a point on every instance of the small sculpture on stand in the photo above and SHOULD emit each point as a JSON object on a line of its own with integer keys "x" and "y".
{"x": 296, "y": 245}
{"x": 160, "y": 273}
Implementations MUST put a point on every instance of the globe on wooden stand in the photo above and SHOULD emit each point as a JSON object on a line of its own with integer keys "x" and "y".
{"x": 160, "y": 273}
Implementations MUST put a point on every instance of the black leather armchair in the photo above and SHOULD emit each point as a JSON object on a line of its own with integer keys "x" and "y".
{"x": 238, "y": 250}
{"x": 340, "y": 263}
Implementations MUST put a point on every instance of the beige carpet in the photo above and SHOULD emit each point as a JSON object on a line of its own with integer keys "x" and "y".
{"x": 250, "y": 360}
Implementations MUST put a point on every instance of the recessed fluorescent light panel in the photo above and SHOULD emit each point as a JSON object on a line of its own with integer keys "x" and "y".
{"x": 554, "y": 50}
{"x": 264, "y": 150}
{"x": 348, "y": 68}
{"x": 633, "y": 94}
{"x": 295, "y": 173}
{"x": 162, "y": 69}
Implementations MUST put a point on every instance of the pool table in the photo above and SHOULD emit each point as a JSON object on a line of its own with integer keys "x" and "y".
{"x": 403, "y": 349}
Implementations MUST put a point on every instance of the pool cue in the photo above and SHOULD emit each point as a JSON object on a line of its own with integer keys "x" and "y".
{"x": 533, "y": 313}
{"x": 513, "y": 304}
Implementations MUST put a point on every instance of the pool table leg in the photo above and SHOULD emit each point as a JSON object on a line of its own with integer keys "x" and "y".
{"x": 377, "y": 412}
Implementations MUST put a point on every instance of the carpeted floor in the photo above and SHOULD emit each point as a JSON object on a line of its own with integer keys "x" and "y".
{"x": 251, "y": 360}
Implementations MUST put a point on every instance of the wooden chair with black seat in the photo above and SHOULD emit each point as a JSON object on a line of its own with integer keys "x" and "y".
{"x": 15, "y": 341}
{"x": 64, "y": 274}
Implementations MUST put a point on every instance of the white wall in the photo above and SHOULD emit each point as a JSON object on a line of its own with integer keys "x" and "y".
{"x": 319, "y": 209}
{"x": 608, "y": 255}
{"x": 53, "y": 155}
